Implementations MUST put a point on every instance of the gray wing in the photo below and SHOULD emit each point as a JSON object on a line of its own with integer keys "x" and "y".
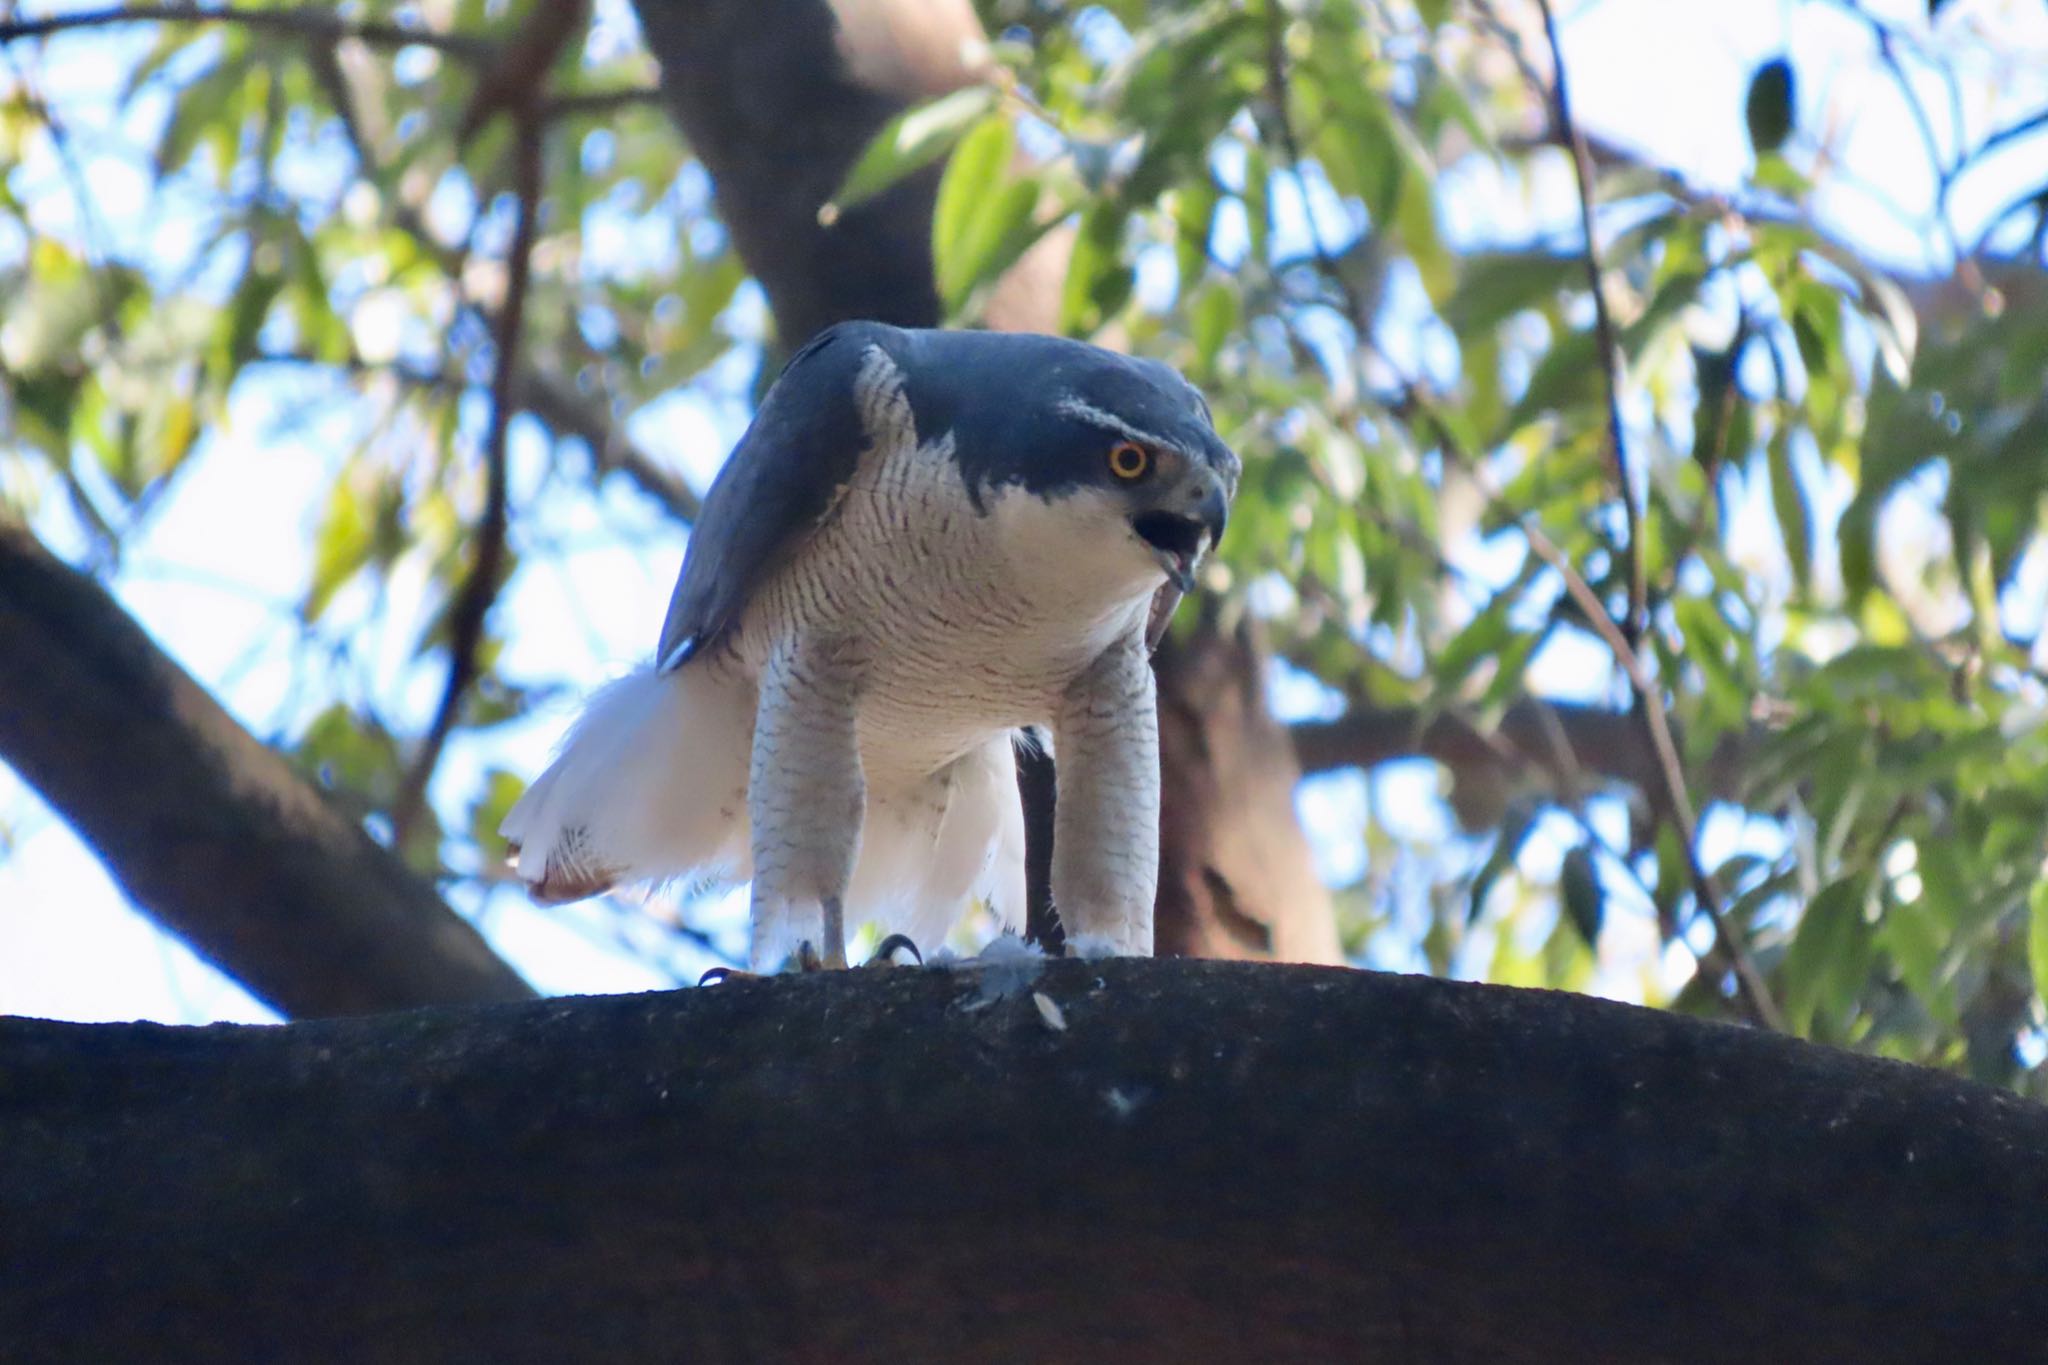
{"x": 775, "y": 488}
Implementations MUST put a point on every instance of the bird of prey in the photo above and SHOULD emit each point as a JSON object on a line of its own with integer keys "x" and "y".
{"x": 926, "y": 543}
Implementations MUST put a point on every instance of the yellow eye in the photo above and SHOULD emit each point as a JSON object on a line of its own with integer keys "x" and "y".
{"x": 1128, "y": 460}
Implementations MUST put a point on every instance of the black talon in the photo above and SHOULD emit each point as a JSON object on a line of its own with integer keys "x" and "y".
{"x": 721, "y": 974}
{"x": 887, "y": 948}
{"x": 807, "y": 959}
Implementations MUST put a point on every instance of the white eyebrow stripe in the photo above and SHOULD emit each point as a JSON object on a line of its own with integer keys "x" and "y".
{"x": 1088, "y": 412}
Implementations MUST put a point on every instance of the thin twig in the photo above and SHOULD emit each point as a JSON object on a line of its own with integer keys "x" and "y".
{"x": 1678, "y": 801}
{"x": 1356, "y": 307}
{"x": 1604, "y": 335}
{"x": 548, "y": 399}
{"x": 1624, "y": 639}
{"x": 305, "y": 23}
{"x": 2012, "y": 132}
{"x": 466, "y": 620}
{"x": 1413, "y": 402}
{"x": 1944, "y": 172}
{"x": 587, "y": 103}
{"x": 547, "y": 396}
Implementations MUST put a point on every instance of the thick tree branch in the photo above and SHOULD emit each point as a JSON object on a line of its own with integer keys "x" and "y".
{"x": 203, "y": 825}
{"x": 778, "y": 97}
{"x": 1208, "y": 1161}
{"x": 1608, "y": 744}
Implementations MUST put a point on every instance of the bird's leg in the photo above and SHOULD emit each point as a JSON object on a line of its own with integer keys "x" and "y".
{"x": 806, "y": 799}
{"x": 1105, "y": 843}
{"x": 806, "y": 956}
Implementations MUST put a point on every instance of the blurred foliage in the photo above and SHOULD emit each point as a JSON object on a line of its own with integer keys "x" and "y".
{"x": 1352, "y": 224}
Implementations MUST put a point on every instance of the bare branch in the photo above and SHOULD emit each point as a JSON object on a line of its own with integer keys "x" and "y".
{"x": 1675, "y": 798}
{"x": 466, "y": 621}
{"x": 556, "y": 402}
{"x": 1533, "y": 732}
{"x": 546, "y": 396}
{"x": 324, "y": 24}
{"x": 597, "y": 103}
{"x": 1604, "y": 335}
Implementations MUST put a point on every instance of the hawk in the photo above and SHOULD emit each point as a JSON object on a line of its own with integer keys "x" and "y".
{"x": 926, "y": 543}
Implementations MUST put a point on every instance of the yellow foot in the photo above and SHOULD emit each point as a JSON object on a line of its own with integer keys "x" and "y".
{"x": 804, "y": 959}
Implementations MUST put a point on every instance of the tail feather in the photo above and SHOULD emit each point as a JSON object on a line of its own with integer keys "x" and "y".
{"x": 650, "y": 783}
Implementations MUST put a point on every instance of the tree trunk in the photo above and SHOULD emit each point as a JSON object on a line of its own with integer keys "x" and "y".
{"x": 1236, "y": 877}
{"x": 1188, "y": 1161}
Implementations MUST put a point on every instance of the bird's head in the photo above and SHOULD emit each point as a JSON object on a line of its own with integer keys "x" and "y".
{"x": 1120, "y": 451}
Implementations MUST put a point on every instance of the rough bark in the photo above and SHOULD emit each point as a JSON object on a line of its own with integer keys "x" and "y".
{"x": 777, "y": 98}
{"x": 205, "y": 826}
{"x": 1210, "y": 1161}
{"x": 1236, "y": 876}
{"x": 777, "y": 147}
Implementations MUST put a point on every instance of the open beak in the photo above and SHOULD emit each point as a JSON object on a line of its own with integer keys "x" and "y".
{"x": 1180, "y": 535}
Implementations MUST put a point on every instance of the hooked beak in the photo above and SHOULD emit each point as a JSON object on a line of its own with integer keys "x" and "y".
{"x": 1190, "y": 524}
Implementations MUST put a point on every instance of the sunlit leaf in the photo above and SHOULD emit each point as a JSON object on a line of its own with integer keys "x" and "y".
{"x": 909, "y": 142}
{"x": 1829, "y": 957}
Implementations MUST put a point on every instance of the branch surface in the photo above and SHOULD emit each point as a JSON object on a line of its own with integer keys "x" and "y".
{"x": 1202, "y": 1161}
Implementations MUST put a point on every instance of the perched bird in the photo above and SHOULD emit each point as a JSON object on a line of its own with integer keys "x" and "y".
{"x": 925, "y": 543}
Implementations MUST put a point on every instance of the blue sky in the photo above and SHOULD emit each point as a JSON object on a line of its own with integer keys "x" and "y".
{"x": 208, "y": 577}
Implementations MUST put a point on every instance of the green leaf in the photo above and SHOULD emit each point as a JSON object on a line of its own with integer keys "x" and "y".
{"x": 201, "y": 111}
{"x": 341, "y": 546}
{"x": 1567, "y": 376}
{"x": 992, "y": 241}
{"x": 1773, "y": 172}
{"x": 1258, "y": 208}
{"x": 246, "y": 313}
{"x": 1829, "y": 959}
{"x": 1768, "y": 110}
{"x": 351, "y": 755}
{"x": 1194, "y": 215}
{"x": 983, "y": 219}
{"x": 1483, "y": 637}
{"x": 909, "y": 142}
{"x": 43, "y": 409}
{"x": 1788, "y": 499}
{"x": 1497, "y": 286}
{"x": 1212, "y": 317}
{"x": 1917, "y": 945}
{"x": 1708, "y": 640}
{"x": 493, "y": 804}
{"x": 1584, "y": 901}
{"x": 2037, "y": 936}
{"x": 1098, "y": 280}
